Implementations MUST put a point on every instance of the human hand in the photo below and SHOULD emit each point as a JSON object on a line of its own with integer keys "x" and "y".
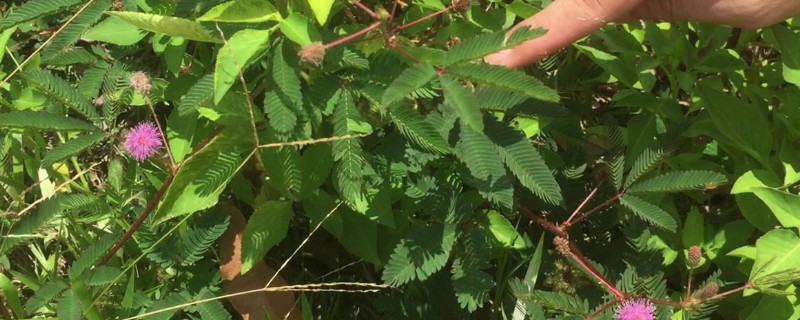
{"x": 569, "y": 20}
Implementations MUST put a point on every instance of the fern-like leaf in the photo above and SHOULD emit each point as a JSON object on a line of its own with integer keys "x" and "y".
{"x": 62, "y": 91}
{"x": 347, "y": 153}
{"x": 34, "y": 9}
{"x": 211, "y": 310}
{"x": 43, "y": 121}
{"x": 45, "y": 294}
{"x": 555, "y": 301}
{"x": 414, "y": 127}
{"x": 71, "y": 147}
{"x": 470, "y": 283}
{"x": 72, "y": 32}
{"x": 480, "y": 155}
{"x": 75, "y": 55}
{"x": 200, "y": 93}
{"x": 644, "y": 163}
{"x": 649, "y": 212}
{"x": 173, "y": 299}
{"x": 424, "y": 252}
{"x": 413, "y": 78}
{"x": 679, "y": 181}
{"x": 523, "y": 160}
{"x": 31, "y": 222}
{"x": 201, "y": 237}
{"x": 92, "y": 79}
{"x": 505, "y": 78}
{"x": 482, "y": 45}
{"x": 69, "y": 306}
{"x": 463, "y": 102}
{"x": 91, "y": 255}
{"x": 284, "y": 74}
{"x": 102, "y": 275}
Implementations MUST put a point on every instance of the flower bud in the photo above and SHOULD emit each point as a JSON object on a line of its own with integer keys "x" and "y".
{"x": 312, "y": 53}
{"x": 461, "y": 4}
{"x": 562, "y": 245}
{"x": 694, "y": 256}
{"x": 710, "y": 290}
{"x": 140, "y": 82}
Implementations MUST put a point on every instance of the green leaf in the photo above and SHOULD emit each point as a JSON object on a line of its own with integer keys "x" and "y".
{"x": 480, "y": 155}
{"x": 470, "y": 282}
{"x": 558, "y": 301}
{"x": 114, "y": 30}
{"x": 91, "y": 255}
{"x": 649, "y": 212}
{"x": 422, "y": 253}
{"x": 782, "y": 204}
{"x": 69, "y": 307}
{"x": 742, "y": 124}
{"x": 611, "y": 63}
{"x": 43, "y": 121}
{"x": 787, "y": 42}
{"x": 462, "y": 101}
{"x": 414, "y": 127}
{"x": 30, "y": 222}
{"x": 347, "y": 153}
{"x": 173, "y": 299}
{"x": 284, "y": 169}
{"x": 171, "y": 26}
{"x": 241, "y": 50}
{"x": 776, "y": 251}
{"x": 413, "y": 78}
{"x": 354, "y": 231}
{"x": 35, "y": 8}
{"x": 202, "y": 236}
{"x": 199, "y": 95}
{"x": 692, "y": 234}
{"x": 242, "y": 11}
{"x": 211, "y": 310}
{"x": 523, "y": 160}
{"x": 644, "y": 163}
{"x": 11, "y": 295}
{"x": 202, "y": 178}
{"x": 298, "y": 29}
{"x": 72, "y": 32}
{"x": 71, "y": 147}
{"x": 62, "y": 91}
{"x": 504, "y": 232}
{"x": 679, "y": 181}
{"x": 485, "y": 44}
{"x": 102, "y": 275}
{"x": 265, "y": 228}
{"x": 508, "y": 79}
{"x": 45, "y": 294}
{"x": 322, "y": 9}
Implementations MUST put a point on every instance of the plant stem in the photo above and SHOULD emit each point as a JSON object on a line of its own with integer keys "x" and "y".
{"x": 412, "y": 23}
{"x": 689, "y": 285}
{"x": 576, "y": 255}
{"x": 173, "y": 166}
{"x": 729, "y": 292}
{"x": 542, "y": 221}
{"x": 580, "y": 207}
{"x": 367, "y": 10}
{"x": 595, "y": 209}
{"x": 353, "y": 36}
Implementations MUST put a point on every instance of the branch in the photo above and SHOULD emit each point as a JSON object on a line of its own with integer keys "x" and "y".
{"x": 586, "y": 215}
{"x": 353, "y": 36}
{"x": 412, "y": 23}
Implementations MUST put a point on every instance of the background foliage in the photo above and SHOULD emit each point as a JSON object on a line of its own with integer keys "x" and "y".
{"x": 413, "y": 157}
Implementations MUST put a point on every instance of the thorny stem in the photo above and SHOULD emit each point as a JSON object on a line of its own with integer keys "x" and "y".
{"x": 580, "y": 207}
{"x": 353, "y": 36}
{"x": 366, "y": 9}
{"x": 151, "y": 205}
{"x": 595, "y": 209}
{"x": 576, "y": 255}
{"x": 412, "y": 23}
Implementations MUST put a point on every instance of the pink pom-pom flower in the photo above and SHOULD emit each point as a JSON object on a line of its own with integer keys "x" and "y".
{"x": 143, "y": 141}
{"x": 636, "y": 309}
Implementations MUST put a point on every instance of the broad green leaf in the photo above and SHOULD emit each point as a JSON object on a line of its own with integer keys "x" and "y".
{"x": 523, "y": 160}
{"x": 203, "y": 177}
{"x": 171, "y": 26}
{"x": 754, "y": 179}
{"x": 463, "y": 102}
{"x": 115, "y": 31}
{"x": 241, "y": 50}
{"x": 413, "y": 78}
{"x": 693, "y": 234}
{"x": 11, "y": 295}
{"x": 298, "y": 29}
{"x": 43, "y": 121}
{"x": 480, "y": 155}
{"x": 785, "y": 206}
{"x": 413, "y": 125}
{"x": 265, "y": 228}
{"x": 776, "y": 251}
{"x": 788, "y": 43}
{"x": 679, "y": 181}
{"x": 649, "y": 212}
{"x": 611, "y": 63}
{"x": 354, "y": 231}
{"x": 71, "y": 147}
{"x": 180, "y": 134}
{"x": 502, "y": 77}
{"x": 322, "y": 9}
{"x": 739, "y": 122}
{"x": 504, "y": 232}
{"x": 242, "y": 11}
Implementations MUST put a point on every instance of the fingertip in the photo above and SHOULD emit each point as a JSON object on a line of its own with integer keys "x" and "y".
{"x": 500, "y": 58}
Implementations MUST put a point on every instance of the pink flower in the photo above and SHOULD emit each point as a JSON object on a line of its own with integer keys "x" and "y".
{"x": 636, "y": 309}
{"x": 143, "y": 141}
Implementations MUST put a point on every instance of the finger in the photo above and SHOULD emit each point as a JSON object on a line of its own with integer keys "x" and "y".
{"x": 738, "y": 13}
{"x": 566, "y": 21}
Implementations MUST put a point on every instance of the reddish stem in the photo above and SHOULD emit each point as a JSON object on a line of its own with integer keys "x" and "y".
{"x": 595, "y": 209}
{"x": 729, "y": 292}
{"x": 394, "y": 9}
{"x": 689, "y": 285}
{"x": 576, "y": 255}
{"x": 403, "y": 52}
{"x": 151, "y": 205}
{"x": 542, "y": 221}
{"x": 412, "y": 23}
{"x": 353, "y": 36}
{"x": 580, "y": 207}
{"x": 367, "y": 10}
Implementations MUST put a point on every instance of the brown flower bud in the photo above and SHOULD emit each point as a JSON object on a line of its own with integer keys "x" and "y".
{"x": 695, "y": 255}
{"x": 461, "y": 4}
{"x": 710, "y": 290}
{"x": 140, "y": 82}
{"x": 312, "y": 53}
{"x": 562, "y": 245}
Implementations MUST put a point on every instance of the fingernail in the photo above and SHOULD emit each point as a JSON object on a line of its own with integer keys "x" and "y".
{"x": 499, "y": 58}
